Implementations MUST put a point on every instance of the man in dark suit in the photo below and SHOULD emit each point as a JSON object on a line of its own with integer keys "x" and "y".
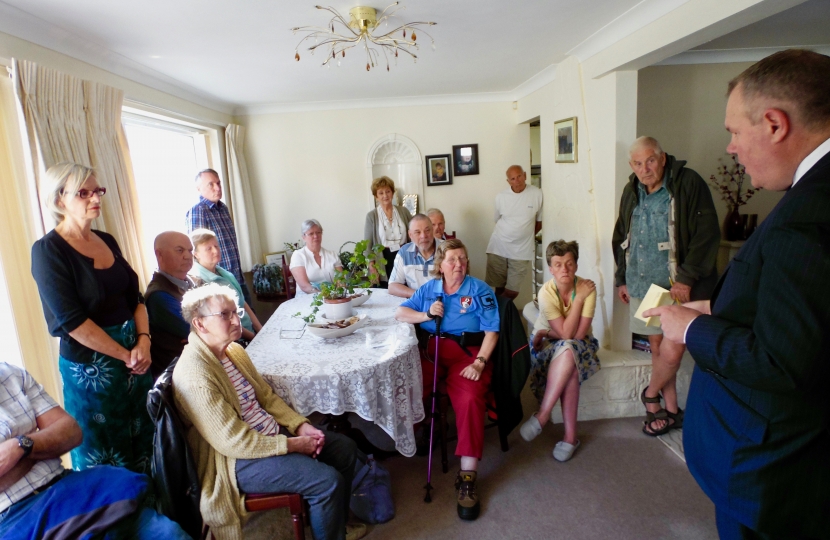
{"x": 757, "y": 435}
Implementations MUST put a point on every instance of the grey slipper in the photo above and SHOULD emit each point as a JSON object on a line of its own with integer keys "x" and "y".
{"x": 564, "y": 451}
{"x": 530, "y": 429}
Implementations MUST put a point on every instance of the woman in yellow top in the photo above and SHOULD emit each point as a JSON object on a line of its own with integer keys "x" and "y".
{"x": 563, "y": 351}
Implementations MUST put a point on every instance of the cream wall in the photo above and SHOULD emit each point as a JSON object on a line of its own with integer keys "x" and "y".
{"x": 683, "y": 107}
{"x": 581, "y": 198}
{"x": 313, "y": 165}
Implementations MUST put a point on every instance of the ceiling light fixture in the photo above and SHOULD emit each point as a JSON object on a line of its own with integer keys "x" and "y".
{"x": 361, "y": 29}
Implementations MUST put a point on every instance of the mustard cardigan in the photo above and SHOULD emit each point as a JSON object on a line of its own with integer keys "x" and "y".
{"x": 217, "y": 434}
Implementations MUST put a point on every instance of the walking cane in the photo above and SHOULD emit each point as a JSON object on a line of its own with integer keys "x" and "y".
{"x": 428, "y": 487}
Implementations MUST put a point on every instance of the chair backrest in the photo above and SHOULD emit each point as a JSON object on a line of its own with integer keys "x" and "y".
{"x": 450, "y": 236}
{"x": 173, "y": 469}
{"x": 290, "y": 283}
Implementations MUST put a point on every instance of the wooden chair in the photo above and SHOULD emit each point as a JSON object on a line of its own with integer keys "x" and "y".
{"x": 257, "y": 502}
{"x": 290, "y": 283}
{"x": 443, "y": 408}
{"x": 450, "y": 236}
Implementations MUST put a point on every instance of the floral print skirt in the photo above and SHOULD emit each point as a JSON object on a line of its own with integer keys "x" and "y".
{"x": 110, "y": 405}
{"x": 585, "y": 358}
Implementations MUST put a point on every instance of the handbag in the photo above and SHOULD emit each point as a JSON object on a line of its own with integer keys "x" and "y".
{"x": 371, "y": 499}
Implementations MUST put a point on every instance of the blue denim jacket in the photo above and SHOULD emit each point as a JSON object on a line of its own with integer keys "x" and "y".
{"x": 648, "y": 260}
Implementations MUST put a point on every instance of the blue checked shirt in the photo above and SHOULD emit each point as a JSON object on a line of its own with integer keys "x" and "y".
{"x": 22, "y": 400}
{"x": 648, "y": 260}
{"x": 411, "y": 269}
{"x": 217, "y": 218}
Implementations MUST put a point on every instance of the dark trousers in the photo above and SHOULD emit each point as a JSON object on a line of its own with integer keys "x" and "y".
{"x": 731, "y": 529}
{"x": 325, "y": 482}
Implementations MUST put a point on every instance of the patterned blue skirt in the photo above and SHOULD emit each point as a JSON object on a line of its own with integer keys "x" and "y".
{"x": 585, "y": 358}
{"x": 110, "y": 405}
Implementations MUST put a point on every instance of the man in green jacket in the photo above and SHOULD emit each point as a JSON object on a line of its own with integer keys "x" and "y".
{"x": 667, "y": 233}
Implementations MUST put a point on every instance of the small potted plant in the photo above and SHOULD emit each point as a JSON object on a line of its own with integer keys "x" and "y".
{"x": 366, "y": 267}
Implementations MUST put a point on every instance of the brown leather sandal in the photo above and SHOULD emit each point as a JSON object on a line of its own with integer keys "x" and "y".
{"x": 661, "y": 415}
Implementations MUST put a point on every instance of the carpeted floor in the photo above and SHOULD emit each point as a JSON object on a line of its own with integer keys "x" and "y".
{"x": 620, "y": 484}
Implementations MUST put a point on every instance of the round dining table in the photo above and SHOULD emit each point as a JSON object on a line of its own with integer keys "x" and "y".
{"x": 374, "y": 372}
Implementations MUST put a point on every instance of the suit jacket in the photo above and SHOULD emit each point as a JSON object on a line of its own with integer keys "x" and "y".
{"x": 757, "y": 427}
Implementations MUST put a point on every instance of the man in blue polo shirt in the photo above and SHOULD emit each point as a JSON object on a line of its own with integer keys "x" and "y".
{"x": 414, "y": 260}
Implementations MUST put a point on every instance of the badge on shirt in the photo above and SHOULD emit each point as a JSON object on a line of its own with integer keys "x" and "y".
{"x": 466, "y": 302}
{"x": 487, "y": 301}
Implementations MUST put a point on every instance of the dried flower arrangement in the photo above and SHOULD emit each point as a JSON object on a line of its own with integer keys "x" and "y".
{"x": 729, "y": 182}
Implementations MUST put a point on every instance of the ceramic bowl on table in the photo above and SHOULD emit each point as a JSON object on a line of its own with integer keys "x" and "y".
{"x": 317, "y": 328}
{"x": 360, "y": 300}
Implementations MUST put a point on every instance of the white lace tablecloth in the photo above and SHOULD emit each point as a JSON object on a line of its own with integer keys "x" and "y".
{"x": 382, "y": 385}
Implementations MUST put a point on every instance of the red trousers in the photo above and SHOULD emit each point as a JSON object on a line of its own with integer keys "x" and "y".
{"x": 467, "y": 397}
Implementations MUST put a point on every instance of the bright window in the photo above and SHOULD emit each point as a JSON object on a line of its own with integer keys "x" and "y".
{"x": 8, "y": 330}
{"x": 166, "y": 158}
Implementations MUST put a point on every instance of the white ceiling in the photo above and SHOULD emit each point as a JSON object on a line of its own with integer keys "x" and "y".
{"x": 239, "y": 54}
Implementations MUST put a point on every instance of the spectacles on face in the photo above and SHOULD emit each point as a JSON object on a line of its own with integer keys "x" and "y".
{"x": 227, "y": 314}
{"x": 87, "y": 193}
{"x": 454, "y": 261}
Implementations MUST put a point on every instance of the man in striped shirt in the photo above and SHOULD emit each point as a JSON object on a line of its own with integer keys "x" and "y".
{"x": 211, "y": 213}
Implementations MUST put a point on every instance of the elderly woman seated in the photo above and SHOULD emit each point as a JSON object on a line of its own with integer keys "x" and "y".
{"x": 470, "y": 325}
{"x": 206, "y": 267}
{"x": 244, "y": 437}
{"x": 563, "y": 351}
{"x": 313, "y": 264}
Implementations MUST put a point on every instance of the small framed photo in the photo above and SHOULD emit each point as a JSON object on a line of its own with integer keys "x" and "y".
{"x": 410, "y": 202}
{"x": 438, "y": 170}
{"x": 465, "y": 159}
{"x": 566, "y": 138}
{"x": 275, "y": 258}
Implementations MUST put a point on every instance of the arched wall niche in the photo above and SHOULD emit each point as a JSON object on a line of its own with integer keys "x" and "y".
{"x": 397, "y": 157}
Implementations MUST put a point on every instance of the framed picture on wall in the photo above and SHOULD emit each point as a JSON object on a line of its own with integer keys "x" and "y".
{"x": 565, "y": 131}
{"x": 274, "y": 258}
{"x": 438, "y": 170}
{"x": 465, "y": 159}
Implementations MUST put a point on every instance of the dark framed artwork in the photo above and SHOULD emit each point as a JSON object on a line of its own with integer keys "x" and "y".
{"x": 439, "y": 172}
{"x": 465, "y": 159}
{"x": 566, "y": 138}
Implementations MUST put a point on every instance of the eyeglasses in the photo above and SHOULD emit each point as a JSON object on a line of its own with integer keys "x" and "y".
{"x": 227, "y": 315}
{"x": 453, "y": 262}
{"x": 87, "y": 193}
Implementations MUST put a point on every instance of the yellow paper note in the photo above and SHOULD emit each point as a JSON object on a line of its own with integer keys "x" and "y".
{"x": 655, "y": 297}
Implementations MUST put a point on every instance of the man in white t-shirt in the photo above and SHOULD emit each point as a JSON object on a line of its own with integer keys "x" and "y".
{"x": 518, "y": 219}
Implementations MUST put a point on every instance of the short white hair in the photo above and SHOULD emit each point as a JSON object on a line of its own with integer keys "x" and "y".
{"x": 195, "y": 300}
{"x": 308, "y": 224}
{"x": 646, "y": 142}
{"x": 432, "y": 211}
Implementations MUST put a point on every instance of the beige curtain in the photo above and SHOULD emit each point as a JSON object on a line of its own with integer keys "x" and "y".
{"x": 244, "y": 216}
{"x": 20, "y": 229}
{"x": 68, "y": 119}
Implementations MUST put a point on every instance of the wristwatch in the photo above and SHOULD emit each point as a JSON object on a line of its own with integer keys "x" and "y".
{"x": 26, "y": 444}
{"x": 482, "y": 359}
{"x": 430, "y": 315}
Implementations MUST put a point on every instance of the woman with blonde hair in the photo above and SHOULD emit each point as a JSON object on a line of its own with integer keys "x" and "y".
{"x": 91, "y": 300}
{"x": 387, "y": 224}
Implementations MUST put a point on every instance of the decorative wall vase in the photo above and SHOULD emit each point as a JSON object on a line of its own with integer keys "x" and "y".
{"x": 733, "y": 225}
